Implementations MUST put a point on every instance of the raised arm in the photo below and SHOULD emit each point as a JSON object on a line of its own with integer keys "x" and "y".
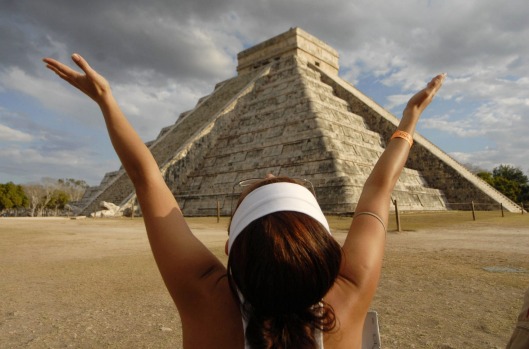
{"x": 184, "y": 262}
{"x": 364, "y": 245}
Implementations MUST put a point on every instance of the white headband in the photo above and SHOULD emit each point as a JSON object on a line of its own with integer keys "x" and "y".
{"x": 274, "y": 197}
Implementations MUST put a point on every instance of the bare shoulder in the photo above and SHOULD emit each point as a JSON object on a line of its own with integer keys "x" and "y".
{"x": 212, "y": 319}
{"x": 350, "y": 308}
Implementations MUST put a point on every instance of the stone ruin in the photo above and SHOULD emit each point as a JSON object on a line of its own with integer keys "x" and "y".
{"x": 287, "y": 112}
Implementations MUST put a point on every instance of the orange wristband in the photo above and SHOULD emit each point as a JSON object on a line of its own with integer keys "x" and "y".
{"x": 403, "y": 135}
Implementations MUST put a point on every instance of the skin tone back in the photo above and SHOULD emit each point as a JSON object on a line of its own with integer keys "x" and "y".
{"x": 196, "y": 279}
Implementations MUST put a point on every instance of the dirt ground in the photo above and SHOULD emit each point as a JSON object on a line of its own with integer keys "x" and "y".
{"x": 93, "y": 283}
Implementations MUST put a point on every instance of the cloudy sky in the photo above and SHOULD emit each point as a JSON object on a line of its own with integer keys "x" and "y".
{"x": 161, "y": 56}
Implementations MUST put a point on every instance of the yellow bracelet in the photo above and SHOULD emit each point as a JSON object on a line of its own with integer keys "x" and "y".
{"x": 403, "y": 135}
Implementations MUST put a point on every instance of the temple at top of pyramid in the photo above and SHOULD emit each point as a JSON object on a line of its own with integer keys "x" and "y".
{"x": 288, "y": 113}
{"x": 294, "y": 42}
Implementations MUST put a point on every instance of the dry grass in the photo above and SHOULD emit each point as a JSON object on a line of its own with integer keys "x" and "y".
{"x": 413, "y": 221}
{"x": 93, "y": 283}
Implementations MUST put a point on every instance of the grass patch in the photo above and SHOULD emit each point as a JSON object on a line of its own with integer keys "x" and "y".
{"x": 442, "y": 219}
{"x": 410, "y": 221}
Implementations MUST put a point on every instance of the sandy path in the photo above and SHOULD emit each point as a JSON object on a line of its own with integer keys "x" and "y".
{"x": 93, "y": 284}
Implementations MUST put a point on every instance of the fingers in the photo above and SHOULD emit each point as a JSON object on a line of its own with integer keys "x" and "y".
{"x": 433, "y": 86}
{"x": 59, "y": 68}
{"x": 63, "y": 71}
{"x": 82, "y": 63}
{"x": 436, "y": 83}
{"x": 422, "y": 99}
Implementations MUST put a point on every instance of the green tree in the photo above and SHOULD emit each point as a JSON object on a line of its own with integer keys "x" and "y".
{"x": 510, "y": 181}
{"x": 507, "y": 187}
{"x": 58, "y": 200}
{"x": 511, "y": 173}
{"x": 524, "y": 194}
{"x": 486, "y": 176}
{"x": 53, "y": 194}
{"x": 12, "y": 196}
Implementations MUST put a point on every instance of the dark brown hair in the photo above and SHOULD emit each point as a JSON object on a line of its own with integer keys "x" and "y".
{"x": 283, "y": 264}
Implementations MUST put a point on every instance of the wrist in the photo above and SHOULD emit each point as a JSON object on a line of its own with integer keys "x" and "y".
{"x": 404, "y": 135}
{"x": 105, "y": 98}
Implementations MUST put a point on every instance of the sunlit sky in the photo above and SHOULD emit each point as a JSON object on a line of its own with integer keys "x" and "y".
{"x": 161, "y": 56}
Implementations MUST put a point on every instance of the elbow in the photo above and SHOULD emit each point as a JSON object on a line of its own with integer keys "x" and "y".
{"x": 135, "y": 174}
{"x": 142, "y": 178}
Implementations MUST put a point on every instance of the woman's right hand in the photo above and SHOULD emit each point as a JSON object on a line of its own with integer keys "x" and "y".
{"x": 91, "y": 83}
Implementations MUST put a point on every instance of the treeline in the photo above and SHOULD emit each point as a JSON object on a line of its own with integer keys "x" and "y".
{"x": 510, "y": 181}
{"x": 52, "y": 197}
{"x": 49, "y": 197}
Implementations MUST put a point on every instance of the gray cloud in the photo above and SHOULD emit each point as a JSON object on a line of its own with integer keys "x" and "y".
{"x": 163, "y": 55}
{"x": 121, "y": 37}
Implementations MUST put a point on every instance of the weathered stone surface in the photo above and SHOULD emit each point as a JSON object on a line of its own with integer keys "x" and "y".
{"x": 288, "y": 113}
{"x": 108, "y": 209}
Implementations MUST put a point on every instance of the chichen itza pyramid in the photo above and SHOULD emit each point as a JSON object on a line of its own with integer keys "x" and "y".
{"x": 287, "y": 112}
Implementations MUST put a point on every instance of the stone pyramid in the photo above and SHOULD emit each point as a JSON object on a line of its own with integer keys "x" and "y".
{"x": 287, "y": 112}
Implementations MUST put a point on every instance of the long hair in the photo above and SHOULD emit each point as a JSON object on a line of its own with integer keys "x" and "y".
{"x": 283, "y": 264}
